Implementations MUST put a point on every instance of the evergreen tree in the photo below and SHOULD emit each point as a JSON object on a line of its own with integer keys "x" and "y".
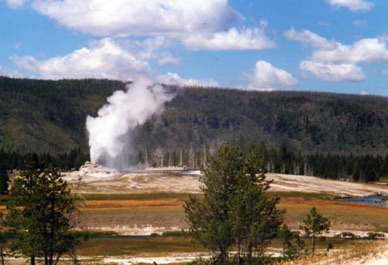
{"x": 315, "y": 224}
{"x": 41, "y": 211}
{"x": 292, "y": 244}
{"x": 234, "y": 209}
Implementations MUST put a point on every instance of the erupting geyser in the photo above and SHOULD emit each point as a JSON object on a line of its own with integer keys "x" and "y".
{"x": 110, "y": 132}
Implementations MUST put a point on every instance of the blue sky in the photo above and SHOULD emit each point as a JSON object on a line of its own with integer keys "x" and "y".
{"x": 311, "y": 45}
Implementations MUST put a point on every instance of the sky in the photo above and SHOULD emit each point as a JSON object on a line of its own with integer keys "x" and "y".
{"x": 304, "y": 45}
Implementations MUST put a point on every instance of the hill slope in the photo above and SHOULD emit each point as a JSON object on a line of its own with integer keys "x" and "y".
{"x": 49, "y": 116}
{"x": 306, "y": 121}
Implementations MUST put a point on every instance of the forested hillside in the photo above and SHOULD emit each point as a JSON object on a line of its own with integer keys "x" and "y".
{"x": 309, "y": 122}
{"x": 49, "y": 116}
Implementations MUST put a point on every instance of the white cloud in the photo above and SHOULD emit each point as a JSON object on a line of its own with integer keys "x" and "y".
{"x": 200, "y": 24}
{"x": 268, "y": 77}
{"x": 139, "y": 17}
{"x": 15, "y": 3}
{"x": 175, "y": 79}
{"x": 104, "y": 59}
{"x": 229, "y": 40}
{"x": 334, "y": 61}
{"x": 310, "y": 38}
{"x": 333, "y": 72}
{"x": 364, "y": 50}
{"x": 353, "y": 5}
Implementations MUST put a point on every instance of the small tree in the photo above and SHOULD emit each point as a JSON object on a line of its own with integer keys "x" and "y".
{"x": 41, "y": 210}
{"x": 292, "y": 244}
{"x": 234, "y": 209}
{"x": 314, "y": 225}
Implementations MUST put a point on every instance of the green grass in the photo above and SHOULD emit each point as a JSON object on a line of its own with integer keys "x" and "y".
{"x": 137, "y": 246}
{"x": 163, "y": 246}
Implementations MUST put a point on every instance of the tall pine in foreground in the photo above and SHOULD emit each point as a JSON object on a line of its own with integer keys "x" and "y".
{"x": 234, "y": 210}
{"x": 41, "y": 212}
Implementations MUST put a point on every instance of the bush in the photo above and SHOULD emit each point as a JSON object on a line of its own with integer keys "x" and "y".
{"x": 348, "y": 235}
{"x": 376, "y": 235}
{"x": 176, "y": 233}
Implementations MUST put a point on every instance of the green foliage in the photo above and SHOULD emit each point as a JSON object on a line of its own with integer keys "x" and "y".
{"x": 177, "y": 233}
{"x": 49, "y": 116}
{"x": 376, "y": 235}
{"x": 41, "y": 210}
{"x": 348, "y": 235}
{"x": 314, "y": 225}
{"x": 196, "y": 117}
{"x": 292, "y": 244}
{"x": 14, "y": 160}
{"x": 234, "y": 210}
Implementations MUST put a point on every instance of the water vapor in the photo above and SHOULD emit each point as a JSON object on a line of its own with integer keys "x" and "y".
{"x": 110, "y": 132}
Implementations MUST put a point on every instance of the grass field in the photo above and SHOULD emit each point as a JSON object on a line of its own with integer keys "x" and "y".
{"x": 343, "y": 215}
{"x": 126, "y": 213}
{"x": 166, "y": 210}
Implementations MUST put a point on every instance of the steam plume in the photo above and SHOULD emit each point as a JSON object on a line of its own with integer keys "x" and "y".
{"x": 110, "y": 132}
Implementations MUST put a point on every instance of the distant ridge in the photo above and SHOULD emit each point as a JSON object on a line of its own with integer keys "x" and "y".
{"x": 49, "y": 116}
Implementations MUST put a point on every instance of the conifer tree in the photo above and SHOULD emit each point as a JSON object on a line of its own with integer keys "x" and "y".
{"x": 314, "y": 225}
{"x": 234, "y": 209}
{"x": 41, "y": 211}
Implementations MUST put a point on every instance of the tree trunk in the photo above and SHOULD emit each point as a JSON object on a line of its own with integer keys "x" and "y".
{"x": 249, "y": 249}
{"x": 32, "y": 258}
{"x": 313, "y": 243}
{"x": 2, "y": 253}
{"x": 238, "y": 250}
{"x": 223, "y": 253}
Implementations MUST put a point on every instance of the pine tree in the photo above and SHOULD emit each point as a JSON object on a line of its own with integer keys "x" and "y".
{"x": 41, "y": 211}
{"x": 315, "y": 224}
{"x": 234, "y": 209}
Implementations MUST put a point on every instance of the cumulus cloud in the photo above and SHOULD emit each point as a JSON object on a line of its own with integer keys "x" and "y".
{"x": 268, "y": 77}
{"x": 15, "y": 3}
{"x": 364, "y": 50}
{"x": 229, "y": 40}
{"x": 104, "y": 59}
{"x": 333, "y": 72}
{"x": 310, "y": 38}
{"x": 337, "y": 62}
{"x": 175, "y": 79}
{"x": 139, "y": 17}
{"x": 201, "y": 24}
{"x": 353, "y": 5}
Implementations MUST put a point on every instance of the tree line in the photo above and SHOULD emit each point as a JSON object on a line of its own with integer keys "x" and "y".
{"x": 13, "y": 162}
{"x": 10, "y": 161}
{"x": 284, "y": 160}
